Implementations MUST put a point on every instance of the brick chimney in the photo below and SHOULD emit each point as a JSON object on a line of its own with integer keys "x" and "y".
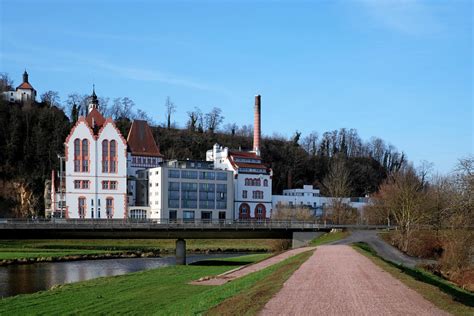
{"x": 256, "y": 126}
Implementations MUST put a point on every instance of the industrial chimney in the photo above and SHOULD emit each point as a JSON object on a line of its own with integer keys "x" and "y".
{"x": 256, "y": 126}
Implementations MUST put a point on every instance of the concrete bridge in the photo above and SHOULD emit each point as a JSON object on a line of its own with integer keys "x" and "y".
{"x": 301, "y": 232}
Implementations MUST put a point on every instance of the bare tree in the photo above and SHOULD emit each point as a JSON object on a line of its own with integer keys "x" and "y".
{"x": 142, "y": 115}
{"x": 285, "y": 212}
{"x": 402, "y": 195}
{"x": 245, "y": 130}
{"x": 81, "y": 102}
{"x": 459, "y": 220}
{"x": 213, "y": 119}
{"x": 337, "y": 181}
{"x": 6, "y": 83}
{"x": 310, "y": 143}
{"x": 193, "y": 119}
{"x": 51, "y": 98}
{"x": 170, "y": 108}
{"x": 104, "y": 106}
{"x": 338, "y": 185}
{"x": 424, "y": 171}
{"x": 231, "y": 128}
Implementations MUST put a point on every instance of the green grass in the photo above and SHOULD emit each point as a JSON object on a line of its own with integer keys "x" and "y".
{"x": 440, "y": 292}
{"x": 8, "y": 254}
{"x": 254, "y": 298}
{"x": 163, "y": 291}
{"x": 18, "y": 249}
{"x": 329, "y": 237}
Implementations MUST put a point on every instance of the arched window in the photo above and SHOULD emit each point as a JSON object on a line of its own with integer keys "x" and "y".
{"x": 85, "y": 155}
{"x": 260, "y": 211}
{"x": 77, "y": 155}
{"x": 265, "y": 183}
{"x": 109, "y": 207}
{"x": 113, "y": 156}
{"x": 109, "y": 156}
{"x": 81, "y": 207}
{"x": 105, "y": 156}
{"x": 244, "y": 211}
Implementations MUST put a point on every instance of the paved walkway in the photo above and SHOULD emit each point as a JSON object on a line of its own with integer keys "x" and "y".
{"x": 382, "y": 248}
{"x": 243, "y": 271}
{"x": 337, "y": 280}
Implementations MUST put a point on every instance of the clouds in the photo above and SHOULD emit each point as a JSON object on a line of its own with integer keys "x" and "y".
{"x": 64, "y": 61}
{"x": 412, "y": 17}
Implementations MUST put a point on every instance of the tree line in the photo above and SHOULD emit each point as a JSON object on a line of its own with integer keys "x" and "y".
{"x": 33, "y": 135}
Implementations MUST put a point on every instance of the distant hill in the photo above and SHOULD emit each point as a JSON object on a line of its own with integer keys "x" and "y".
{"x": 32, "y": 136}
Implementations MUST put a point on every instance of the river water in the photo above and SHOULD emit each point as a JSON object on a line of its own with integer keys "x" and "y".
{"x": 30, "y": 278}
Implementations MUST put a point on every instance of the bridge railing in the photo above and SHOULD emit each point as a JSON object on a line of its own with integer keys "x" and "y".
{"x": 176, "y": 224}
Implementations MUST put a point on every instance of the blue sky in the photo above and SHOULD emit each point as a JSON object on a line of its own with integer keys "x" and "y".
{"x": 398, "y": 70}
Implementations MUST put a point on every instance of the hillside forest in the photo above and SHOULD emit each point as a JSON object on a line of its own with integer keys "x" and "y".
{"x": 32, "y": 137}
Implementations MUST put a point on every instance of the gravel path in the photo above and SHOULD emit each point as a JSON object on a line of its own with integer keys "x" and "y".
{"x": 337, "y": 280}
{"x": 243, "y": 271}
{"x": 382, "y": 248}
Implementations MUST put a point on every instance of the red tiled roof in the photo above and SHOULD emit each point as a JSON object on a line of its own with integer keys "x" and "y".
{"x": 250, "y": 165}
{"x": 140, "y": 140}
{"x": 244, "y": 154}
{"x": 25, "y": 85}
{"x": 247, "y": 155}
{"x": 95, "y": 120}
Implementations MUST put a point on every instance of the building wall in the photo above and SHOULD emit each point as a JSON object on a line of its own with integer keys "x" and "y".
{"x": 21, "y": 95}
{"x": 160, "y": 192}
{"x": 241, "y": 187}
{"x": 95, "y": 194}
{"x": 220, "y": 157}
{"x": 136, "y": 164}
{"x": 317, "y": 203}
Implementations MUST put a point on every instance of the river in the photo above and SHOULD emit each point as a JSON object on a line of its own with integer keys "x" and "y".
{"x": 30, "y": 278}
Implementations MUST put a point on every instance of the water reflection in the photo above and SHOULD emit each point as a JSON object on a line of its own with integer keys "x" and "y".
{"x": 30, "y": 278}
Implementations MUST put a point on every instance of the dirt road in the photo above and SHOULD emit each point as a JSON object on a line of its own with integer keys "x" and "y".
{"x": 243, "y": 271}
{"x": 337, "y": 280}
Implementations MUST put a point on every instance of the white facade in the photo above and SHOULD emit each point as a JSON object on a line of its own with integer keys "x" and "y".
{"x": 19, "y": 96}
{"x": 95, "y": 170}
{"x": 24, "y": 93}
{"x": 252, "y": 181}
{"x": 190, "y": 190}
{"x": 136, "y": 164}
{"x": 311, "y": 198}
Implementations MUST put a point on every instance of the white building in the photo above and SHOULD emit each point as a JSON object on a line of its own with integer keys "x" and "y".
{"x": 252, "y": 178}
{"x": 190, "y": 190}
{"x": 24, "y": 93}
{"x": 95, "y": 168}
{"x": 311, "y": 198}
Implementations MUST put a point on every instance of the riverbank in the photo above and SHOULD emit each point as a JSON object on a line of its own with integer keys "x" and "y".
{"x": 33, "y": 251}
{"x": 47, "y": 257}
{"x": 164, "y": 291}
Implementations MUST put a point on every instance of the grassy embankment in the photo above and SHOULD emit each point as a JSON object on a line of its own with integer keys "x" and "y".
{"x": 329, "y": 237}
{"x": 450, "y": 248}
{"x": 19, "y": 249}
{"x": 162, "y": 291}
{"x": 440, "y": 292}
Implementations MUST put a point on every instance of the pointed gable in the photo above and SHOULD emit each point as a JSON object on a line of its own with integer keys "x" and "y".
{"x": 140, "y": 140}
{"x": 26, "y": 86}
{"x": 95, "y": 120}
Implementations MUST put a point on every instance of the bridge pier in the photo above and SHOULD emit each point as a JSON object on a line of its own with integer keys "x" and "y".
{"x": 301, "y": 239}
{"x": 180, "y": 252}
